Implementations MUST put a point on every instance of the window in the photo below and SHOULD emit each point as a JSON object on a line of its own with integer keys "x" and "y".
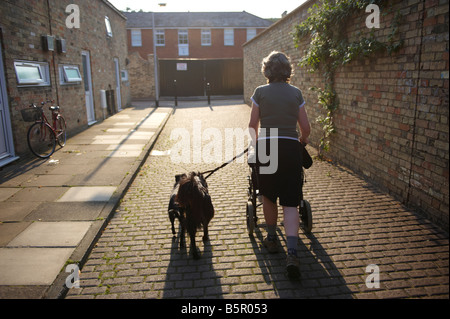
{"x": 136, "y": 38}
{"x": 124, "y": 75}
{"x": 108, "y": 27}
{"x": 32, "y": 73}
{"x": 69, "y": 74}
{"x": 251, "y": 33}
{"x": 160, "y": 37}
{"x": 206, "y": 36}
{"x": 228, "y": 36}
{"x": 183, "y": 42}
{"x": 183, "y": 36}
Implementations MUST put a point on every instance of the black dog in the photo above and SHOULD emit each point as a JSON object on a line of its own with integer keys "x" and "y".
{"x": 191, "y": 204}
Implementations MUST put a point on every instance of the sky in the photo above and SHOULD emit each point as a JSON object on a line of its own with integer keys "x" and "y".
{"x": 261, "y": 8}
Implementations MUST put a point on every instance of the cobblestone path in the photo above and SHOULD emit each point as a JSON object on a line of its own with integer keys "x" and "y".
{"x": 355, "y": 225}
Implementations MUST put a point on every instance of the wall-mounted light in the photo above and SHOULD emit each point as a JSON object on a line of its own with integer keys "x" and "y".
{"x": 61, "y": 45}
{"x": 48, "y": 43}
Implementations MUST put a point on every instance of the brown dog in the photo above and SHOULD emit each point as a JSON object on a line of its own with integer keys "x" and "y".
{"x": 193, "y": 197}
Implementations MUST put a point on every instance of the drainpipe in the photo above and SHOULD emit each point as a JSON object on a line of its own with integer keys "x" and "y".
{"x": 155, "y": 58}
{"x": 413, "y": 142}
{"x": 53, "y": 53}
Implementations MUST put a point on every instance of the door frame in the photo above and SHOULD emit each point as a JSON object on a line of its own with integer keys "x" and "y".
{"x": 9, "y": 156}
{"x": 118, "y": 84}
{"x": 88, "y": 76}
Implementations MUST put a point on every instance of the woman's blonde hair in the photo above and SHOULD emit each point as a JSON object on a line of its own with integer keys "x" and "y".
{"x": 277, "y": 67}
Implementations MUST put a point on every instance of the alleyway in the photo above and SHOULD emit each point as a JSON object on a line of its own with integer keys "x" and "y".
{"x": 355, "y": 225}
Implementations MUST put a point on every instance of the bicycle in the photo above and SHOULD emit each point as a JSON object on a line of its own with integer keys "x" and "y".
{"x": 42, "y": 137}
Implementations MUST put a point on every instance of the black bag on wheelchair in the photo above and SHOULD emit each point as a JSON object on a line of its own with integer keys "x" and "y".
{"x": 306, "y": 158}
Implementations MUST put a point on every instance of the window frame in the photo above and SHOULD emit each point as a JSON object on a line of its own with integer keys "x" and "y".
{"x": 64, "y": 78}
{"x": 228, "y": 37}
{"x": 42, "y": 68}
{"x": 207, "y": 33}
{"x": 109, "y": 32}
{"x": 183, "y": 48}
{"x": 134, "y": 34}
{"x": 251, "y": 33}
{"x": 160, "y": 37}
{"x": 124, "y": 75}
{"x": 183, "y": 33}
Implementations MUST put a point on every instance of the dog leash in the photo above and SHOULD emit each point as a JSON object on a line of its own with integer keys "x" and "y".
{"x": 212, "y": 171}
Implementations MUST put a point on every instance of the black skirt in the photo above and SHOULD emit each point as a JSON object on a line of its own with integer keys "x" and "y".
{"x": 279, "y": 168}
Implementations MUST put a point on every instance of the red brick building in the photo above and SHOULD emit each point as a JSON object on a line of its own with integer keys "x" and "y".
{"x": 195, "y": 48}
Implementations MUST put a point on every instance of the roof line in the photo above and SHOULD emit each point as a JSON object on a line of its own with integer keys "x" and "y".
{"x": 290, "y": 14}
{"x": 109, "y": 4}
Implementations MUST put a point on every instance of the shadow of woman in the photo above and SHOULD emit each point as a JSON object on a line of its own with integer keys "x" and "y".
{"x": 191, "y": 278}
{"x": 320, "y": 278}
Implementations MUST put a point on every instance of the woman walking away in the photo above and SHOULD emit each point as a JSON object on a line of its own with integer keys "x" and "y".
{"x": 277, "y": 107}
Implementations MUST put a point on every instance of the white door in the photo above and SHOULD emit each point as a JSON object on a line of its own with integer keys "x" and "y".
{"x": 118, "y": 80}
{"x": 88, "y": 87}
{"x": 3, "y": 134}
{"x": 6, "y": 140}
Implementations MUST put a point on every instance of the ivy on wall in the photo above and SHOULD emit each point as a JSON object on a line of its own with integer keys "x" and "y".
{"x": 331, "y": 47}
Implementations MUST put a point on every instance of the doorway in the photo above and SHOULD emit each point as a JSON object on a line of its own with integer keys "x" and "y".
{"x": 118, "y": 81}
{"x": 6, "y": 138}
{"x": 88, "y": 87}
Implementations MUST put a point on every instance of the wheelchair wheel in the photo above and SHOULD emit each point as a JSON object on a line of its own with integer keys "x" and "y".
{"x": 250, "y": 214}
{"x": 306, "y": 216}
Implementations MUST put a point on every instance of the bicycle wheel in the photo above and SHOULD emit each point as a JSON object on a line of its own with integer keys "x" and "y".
{"x": 61, "y": 131}
{"x": 41, "y": 139}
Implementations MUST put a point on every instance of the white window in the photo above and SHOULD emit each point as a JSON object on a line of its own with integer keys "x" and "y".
{"x": 108, "y": 27}
{"x": 228, "y": 36}
{"x": 32, "y": 73}
{"x": 183, "y": 42}
{"x": 183, "y": 36}
{"x": 251, "y": 33}
{"x": 160, "y": 37}
{"x": 69, "y": 74}
{"x": 136, "y": 38}
{"x": 206, "y": 37}
{"x": 124, "y": 75}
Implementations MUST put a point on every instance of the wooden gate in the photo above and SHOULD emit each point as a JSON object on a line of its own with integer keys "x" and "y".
{"x": 225, "y": 77}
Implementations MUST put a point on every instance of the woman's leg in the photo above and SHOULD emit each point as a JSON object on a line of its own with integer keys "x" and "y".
{"x": 291, "y": 227}
{"x": 270, "y": 210}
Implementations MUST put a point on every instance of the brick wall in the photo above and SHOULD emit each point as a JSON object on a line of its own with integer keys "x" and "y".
{"x": 22, "y": 24}
{"x": 392, "y": 123}
{"x": 141, "y": 74}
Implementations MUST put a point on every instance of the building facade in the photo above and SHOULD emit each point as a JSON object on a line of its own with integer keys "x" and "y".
{"x": 62, "y": 51}
{"x": 194, "y": 48}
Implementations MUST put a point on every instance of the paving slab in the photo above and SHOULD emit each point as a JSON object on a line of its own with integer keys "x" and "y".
{"x": 10, "y": 230}
{"x": 51, "y": 234}
{"x": 16, "y": 211}
{"x": 48, "y": 180}
{"x": 88, "y": 194}
{"x": 69, "y": 211}
{"x": 37, "y": 194}
{"x": 5, "y": 193}
{"x": 31, "y": 266}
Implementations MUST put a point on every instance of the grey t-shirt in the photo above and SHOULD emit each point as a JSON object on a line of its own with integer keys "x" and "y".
{"x": 279, "y": 104}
